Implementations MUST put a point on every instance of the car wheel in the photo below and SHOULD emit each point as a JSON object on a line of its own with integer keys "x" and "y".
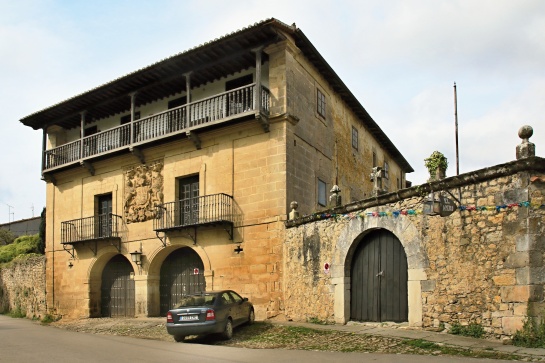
{"x": 228, "y": 331}
{"x": 251, "y": 317}
{"x": 179, "y": 338}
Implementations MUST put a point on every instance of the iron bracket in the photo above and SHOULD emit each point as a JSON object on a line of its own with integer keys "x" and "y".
{"x": 71, "y": 253}
{"x": 163, "y": 240}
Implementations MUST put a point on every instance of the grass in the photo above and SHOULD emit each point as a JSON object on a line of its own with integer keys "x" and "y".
{"x": 271, "y": 336}
{"x": 472, "y": 330}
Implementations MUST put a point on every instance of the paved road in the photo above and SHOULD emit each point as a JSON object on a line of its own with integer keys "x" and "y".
{"x": 22, "y": 340}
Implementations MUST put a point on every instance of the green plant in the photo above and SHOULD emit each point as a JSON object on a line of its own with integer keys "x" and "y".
{"x": 6, "y": 236}
{"x": 472, "y": 330}
{"x": 436, "y": 161}
{"x": 21, "y": 246}
{"x": 48, "y": 318}
{"x": 532, "y": 334}
{"x": 17, "y": 313}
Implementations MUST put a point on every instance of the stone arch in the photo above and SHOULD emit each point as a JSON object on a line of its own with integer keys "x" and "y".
{"x": 156, "y": 259}
{"x": 348, "y": 240}
{"x": 94, "y": 276}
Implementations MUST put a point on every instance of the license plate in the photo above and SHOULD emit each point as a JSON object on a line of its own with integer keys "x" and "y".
{"x": 189, "y": 317}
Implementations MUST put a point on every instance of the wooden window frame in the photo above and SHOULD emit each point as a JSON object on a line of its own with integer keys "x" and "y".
{"x": 355, "y": 137}
{"x": 320, "y": 103}
{"x": 319, "y": 194}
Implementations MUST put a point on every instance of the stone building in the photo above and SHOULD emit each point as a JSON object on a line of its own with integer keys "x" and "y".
{"x": 178, "y": 177}
{"x": 465, "y": 249}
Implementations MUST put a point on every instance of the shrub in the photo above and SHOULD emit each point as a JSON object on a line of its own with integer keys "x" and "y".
{"x": 532, "y": 334}
{"x": 472, "y": 330}
{"x": 21, "y": 246}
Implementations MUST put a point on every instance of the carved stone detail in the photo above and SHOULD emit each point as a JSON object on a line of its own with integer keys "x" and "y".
{"x": 143, "y": 191}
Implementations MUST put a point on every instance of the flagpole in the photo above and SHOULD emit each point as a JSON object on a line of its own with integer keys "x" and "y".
{"x": 456, "y": 129}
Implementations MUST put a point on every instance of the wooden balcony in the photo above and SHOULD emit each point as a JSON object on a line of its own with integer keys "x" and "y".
{"x": 213, "y": 209}
{"x": 188, "y": 119}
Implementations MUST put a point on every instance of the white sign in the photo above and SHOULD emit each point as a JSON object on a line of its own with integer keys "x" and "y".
{"x": 326, "y": 267}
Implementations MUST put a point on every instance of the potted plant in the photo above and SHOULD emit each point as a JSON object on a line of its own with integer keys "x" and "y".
{"x": 437, "y": 165}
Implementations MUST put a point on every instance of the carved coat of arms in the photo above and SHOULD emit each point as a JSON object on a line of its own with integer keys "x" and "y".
{"x": 143, "y": 191}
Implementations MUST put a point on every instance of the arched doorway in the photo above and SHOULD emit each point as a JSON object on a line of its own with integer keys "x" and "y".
{"x": 182, "y": 273}
{"x": 379, "y": 278}
{"x": 117, "y": 288}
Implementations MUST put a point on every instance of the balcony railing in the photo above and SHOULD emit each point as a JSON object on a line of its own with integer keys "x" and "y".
{"x": 218, "y": 108}
{"x": 91, "y": 228}
{"x": 209, "y": 209}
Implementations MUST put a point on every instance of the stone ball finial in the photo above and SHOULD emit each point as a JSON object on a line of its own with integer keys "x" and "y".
{"x": 526, "y": 132}
{"x": 526, "y": 148}
{"x": 294, "y": 214}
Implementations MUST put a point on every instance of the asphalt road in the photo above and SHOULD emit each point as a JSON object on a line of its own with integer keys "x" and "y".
{"x": 22, "y": 340}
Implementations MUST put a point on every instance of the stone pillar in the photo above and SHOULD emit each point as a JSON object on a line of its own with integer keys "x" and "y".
{"x": 526, "y": 149}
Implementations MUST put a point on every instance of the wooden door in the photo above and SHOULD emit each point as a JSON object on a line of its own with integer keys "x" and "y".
{"x": 379, "y": 279}
{"x": 104, "y": 215}
{"x": 189, "y": 200}
{"x": 117, "y": 289}
{"x": 182, "y": 273}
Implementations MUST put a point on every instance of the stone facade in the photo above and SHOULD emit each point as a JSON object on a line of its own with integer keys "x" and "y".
{"x": 22, "y": 287}
{"x": 261, "y": 160}
{"x": 482, "y": 264}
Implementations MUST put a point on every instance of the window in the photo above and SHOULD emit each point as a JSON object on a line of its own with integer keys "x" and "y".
{"x": 127, "y": 118}
{"x": 188, "y": 195}
{"x": 320, "y": 103}
{"x": 354, "y": 138}
{"x": 322, "y": 193}
{"x": 374, "y": 159}
{"x": 88, "y": 131}
{"x": 103, "y": 207}
{"x": 386, "y": 170}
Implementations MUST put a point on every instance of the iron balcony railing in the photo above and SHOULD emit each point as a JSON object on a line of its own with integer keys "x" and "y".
{"x": 221, "y": 107}
{"x": 209, "y": 209}
{"x": 91, "y": 228}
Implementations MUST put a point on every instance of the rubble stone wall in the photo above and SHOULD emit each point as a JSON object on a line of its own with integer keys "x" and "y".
{"x": 482, "y": 264}
{"x": 22, "y": 287}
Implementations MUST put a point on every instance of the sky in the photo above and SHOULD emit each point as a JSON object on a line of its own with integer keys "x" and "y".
{"x": 400, "y": 58}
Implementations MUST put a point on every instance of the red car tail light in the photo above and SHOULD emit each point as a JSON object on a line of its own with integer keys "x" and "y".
{"x": 210, "y": 314}
{"x": 169, "y": 317}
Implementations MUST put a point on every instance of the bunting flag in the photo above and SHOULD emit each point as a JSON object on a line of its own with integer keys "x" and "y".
{"x": 416, "y": 212}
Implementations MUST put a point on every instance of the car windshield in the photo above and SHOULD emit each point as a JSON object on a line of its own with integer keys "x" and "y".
{"x": 197, "y": 300}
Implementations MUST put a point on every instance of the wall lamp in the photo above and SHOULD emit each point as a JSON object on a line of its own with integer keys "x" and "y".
{"x": 136, "y": 257}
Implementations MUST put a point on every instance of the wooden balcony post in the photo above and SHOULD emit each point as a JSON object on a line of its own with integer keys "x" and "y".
{"x": 188, "y": 96}
{"x": 44, "y": 140}
{"x": 82, "y": 133}
{"x": 257, "y": 92}
{"x": 133, "y": 107}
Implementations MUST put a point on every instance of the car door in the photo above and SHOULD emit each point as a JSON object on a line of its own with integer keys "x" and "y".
{"x": 239, "y": 311}
{"x": 226, "y": 307}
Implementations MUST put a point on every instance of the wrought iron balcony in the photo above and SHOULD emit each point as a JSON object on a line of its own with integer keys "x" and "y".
{"x": 94, "y": 228}
{"x": 193, "y": 212}
{"x": 223, "y": 107}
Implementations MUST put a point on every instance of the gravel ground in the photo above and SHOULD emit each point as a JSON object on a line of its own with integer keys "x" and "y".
{"x": 262, "y": 335}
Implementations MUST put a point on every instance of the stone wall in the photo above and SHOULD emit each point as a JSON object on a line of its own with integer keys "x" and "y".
{"x": 482, "y": 264}
{"x": 22, "y": 287}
